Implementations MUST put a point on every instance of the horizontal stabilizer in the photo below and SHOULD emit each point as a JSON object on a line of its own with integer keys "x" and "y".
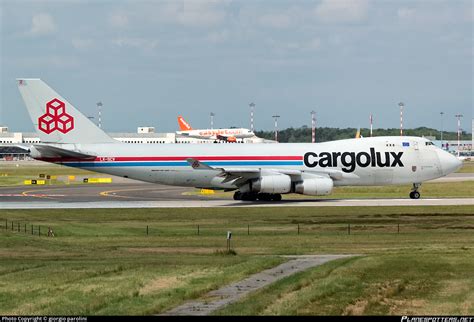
{"x": 50, "y": 152}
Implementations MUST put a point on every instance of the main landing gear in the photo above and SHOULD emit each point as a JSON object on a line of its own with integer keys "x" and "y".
{"x": 252, "y": 196}
{"x": 414, "y": 194}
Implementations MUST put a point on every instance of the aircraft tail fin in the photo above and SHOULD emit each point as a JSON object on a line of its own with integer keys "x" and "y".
{"x": 55, "y": 119}
{"x": 183, "y": 125}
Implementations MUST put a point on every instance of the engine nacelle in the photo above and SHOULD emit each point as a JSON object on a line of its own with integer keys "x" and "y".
{"x": 314, "y": 186}
{"x": 272, "y": 184}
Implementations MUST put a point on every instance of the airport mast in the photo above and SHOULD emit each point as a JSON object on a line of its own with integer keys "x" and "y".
{"x": 276, "y": 126}
{"x": 371, "y": 123}
{"x": 212, "y": 120}
{"x": 252, "y": 106}
{"x": 459, "y": 130}
{"x": 441, "y": 113}
{"x": 313, "y": 127}
{"x": 401, "y": 117}
{"x": 99, "y": 106}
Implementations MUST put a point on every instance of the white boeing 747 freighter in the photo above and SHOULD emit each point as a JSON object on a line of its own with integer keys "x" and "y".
{"x": 254, "y": 171}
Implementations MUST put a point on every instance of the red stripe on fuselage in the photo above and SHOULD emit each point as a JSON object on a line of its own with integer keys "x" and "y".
{"x": 201, "y": 158}
{"x": 181, "y": 158}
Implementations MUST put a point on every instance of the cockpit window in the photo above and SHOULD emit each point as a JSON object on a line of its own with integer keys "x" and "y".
{"x": 429, "y": 143}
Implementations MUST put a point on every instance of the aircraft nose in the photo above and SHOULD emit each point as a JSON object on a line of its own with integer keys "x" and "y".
{"x": 449, "y": 163}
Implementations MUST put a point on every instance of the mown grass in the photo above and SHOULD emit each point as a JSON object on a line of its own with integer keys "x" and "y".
{"x": 102, "y": 262}
{"x": 467, "y": 167}
{"x": 395, "y": 284}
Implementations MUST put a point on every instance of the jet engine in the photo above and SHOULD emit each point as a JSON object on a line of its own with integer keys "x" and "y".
{"x": 272, "y": 184}
{"x": 314, "y": 186}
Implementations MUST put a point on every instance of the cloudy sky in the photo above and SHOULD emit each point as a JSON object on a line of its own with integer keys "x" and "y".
{"x": 149, "y": 61}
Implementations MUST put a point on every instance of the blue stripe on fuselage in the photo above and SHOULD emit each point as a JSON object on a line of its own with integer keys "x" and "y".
{"x": 177, "y": 164}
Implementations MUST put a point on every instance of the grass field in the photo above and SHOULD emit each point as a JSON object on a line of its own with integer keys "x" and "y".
{"x": 102, "y": 261}
{"x": 467, "y": 167}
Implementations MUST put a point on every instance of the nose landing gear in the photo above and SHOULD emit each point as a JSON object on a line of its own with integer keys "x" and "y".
{"x": 414, "y": 194}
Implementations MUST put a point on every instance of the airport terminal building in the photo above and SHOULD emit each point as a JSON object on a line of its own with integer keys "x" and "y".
{"x": 144, "y": 135}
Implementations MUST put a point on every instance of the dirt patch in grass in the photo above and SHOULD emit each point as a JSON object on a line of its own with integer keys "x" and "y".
{"x": 284, "y": 300}
{"x": 405, "y": 307}
{"x": 193, "y": 250}
{"x": 159, "y": 284}
{"x": 169, "y": 282}
{"x": 30, "y": 307}
{"x": 170, "y": 250}
{"x": 358, "y": 308}
{"x": 381, "y": 296}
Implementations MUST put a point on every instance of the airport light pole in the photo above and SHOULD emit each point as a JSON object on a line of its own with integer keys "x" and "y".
{"x": 401, "y": 105}
{"x": 252, "y": 107}
{"x": 459, "y": 130}
{"x": 276, "y": 126}
{"x": 99, "y": 106}
{"x": 441, "y": 113}
{"x": 371, "y": 123}
{"x": 313, "y": 127}
{"x": 212, "y": 120}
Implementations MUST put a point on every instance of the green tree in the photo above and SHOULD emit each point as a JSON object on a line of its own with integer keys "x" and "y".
{"x": 323, "y": 134}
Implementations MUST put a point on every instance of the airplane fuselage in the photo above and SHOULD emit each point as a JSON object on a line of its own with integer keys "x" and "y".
{"x": 368, "y": 161}
{"x": 256, "y": 171}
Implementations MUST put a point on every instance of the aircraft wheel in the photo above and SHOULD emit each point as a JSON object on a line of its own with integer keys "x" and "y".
{"x": 249, "y": 196}
{"x": 237, "y": 195}
{"x": 263, "y": 197}
{"x": 415, "y": 195}
{"x": 276, "y": 197}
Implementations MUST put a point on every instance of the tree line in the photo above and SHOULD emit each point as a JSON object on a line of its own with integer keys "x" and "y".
{"x": 323, "y": 134}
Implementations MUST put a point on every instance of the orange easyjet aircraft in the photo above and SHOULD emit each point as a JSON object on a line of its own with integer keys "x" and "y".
{"x": 228, "y": 135}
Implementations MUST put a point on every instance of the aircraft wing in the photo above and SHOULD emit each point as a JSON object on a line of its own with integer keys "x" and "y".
{"x": 242, "y": 175}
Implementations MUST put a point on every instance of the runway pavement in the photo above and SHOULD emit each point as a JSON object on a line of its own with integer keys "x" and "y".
{"x": 136, "y": 191}
{"x": 143, "y": 195}
{"x": 230, "y": 203}
{"x": 455, "y": 177}
{"x": 135, "y": 194}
